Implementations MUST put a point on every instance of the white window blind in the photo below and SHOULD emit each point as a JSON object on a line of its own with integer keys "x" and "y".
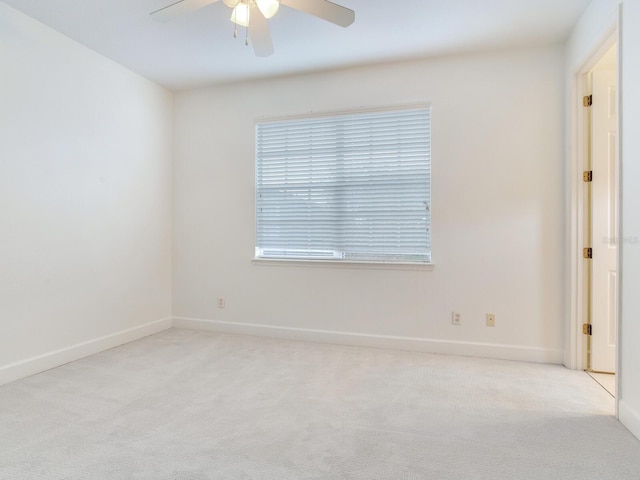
{"x": 345, "y": 187}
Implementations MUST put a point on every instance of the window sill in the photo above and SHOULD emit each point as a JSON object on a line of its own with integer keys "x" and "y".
{"x": 285, "y": 262}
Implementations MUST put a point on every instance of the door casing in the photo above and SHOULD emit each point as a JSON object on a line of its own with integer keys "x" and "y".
{"x": 576, "y": 353}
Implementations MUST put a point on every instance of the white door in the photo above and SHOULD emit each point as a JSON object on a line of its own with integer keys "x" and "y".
{"x": 604, "y": 220}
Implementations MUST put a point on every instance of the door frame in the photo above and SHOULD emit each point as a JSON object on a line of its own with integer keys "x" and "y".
{"x": 576, "y": 352}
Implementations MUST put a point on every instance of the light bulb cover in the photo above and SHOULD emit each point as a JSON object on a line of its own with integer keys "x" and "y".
{"x": 231, "y": 3}
{"x": 240, "y": 14}
{"x": 268, "y": 7}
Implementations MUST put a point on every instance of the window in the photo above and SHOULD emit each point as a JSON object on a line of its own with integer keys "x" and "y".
{"x": 346, "y": 187}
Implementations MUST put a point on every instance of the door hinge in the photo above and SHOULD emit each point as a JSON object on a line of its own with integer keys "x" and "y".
{"x": 587, "y": 100}
{"x": 586, "y": 329}
{"x": 587, "y": 176}
{"x": 587, "y": 252}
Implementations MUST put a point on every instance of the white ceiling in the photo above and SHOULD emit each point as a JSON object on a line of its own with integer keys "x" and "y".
{"x": 199, "y": 49}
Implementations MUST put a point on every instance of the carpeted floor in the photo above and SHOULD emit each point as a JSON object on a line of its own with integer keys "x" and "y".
{"x": 195, "y": 405}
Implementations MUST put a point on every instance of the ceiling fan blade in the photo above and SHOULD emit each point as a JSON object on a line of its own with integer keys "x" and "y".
{"x": 179, "y": 8}
{"x": 259, "y": 31}
{"x": 325, "y": 10}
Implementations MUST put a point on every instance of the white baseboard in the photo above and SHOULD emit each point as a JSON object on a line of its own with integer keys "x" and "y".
{"x": 425, "y": 345}
{"x": 41, "y": 363}
{"x": 629, "y": 417}
{"x": 31, "y": 366}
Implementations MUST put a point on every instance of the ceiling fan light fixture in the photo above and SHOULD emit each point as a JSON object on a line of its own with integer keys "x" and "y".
{"x": 262, "y": 11}
{"x": 268, "y": 7}
{"x": 240, "y": 14}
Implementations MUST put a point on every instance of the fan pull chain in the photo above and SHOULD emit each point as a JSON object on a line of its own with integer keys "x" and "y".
{"x": 235, "y": 30}
{"x": 246, "y": 35}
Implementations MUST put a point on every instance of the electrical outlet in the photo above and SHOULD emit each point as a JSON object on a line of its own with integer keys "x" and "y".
{"x": 220, "y": 302}
{"x": 491, "y": 320}
{"x": 456, "y": 318}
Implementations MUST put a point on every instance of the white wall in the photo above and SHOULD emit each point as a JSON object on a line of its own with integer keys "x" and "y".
{"x": 629, "y": 406}
{"x": 497, "y": 211}
{"x": 85, "y": 200}
{"x": 588, "y": 33}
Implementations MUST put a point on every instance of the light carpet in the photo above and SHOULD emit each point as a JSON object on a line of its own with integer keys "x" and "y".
{"x": 194, "y": 405}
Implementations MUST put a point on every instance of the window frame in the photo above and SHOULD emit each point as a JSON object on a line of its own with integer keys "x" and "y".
{"x": 332, "y": 262}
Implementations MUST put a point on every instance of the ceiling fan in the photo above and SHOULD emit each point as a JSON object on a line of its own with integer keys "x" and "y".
{"x": 254, "y": 14}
